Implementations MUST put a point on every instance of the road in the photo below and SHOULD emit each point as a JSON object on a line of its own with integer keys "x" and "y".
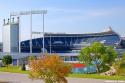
{"x": 6, "y": 77}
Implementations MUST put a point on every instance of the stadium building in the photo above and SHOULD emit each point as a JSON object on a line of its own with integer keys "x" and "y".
{"x": 72, "y": 43}
{"x": 67, "y": 46}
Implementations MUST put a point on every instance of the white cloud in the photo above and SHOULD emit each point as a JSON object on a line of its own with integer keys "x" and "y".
{"x": 100, "y": 13}
{"x": 85, "y": 14}
{"x": 67, "y": 16}
{"x": 107, "y": 12}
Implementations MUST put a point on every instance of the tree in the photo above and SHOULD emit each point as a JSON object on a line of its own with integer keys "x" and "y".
{"x": 97, "y": 54}
{"x": 50, "y": 68}
{"x": 7, "y": 60}
{"x": 110, "y": 55}
{"x": 32, "y": 57}
{"x": 120, "y": 66}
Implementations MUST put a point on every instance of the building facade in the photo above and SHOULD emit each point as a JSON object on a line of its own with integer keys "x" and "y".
{"x": 71, "y": 43}
{"x": 10, "y": 36}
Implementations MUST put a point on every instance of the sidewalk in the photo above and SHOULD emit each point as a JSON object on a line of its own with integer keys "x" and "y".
{"x": 23, "y": 78}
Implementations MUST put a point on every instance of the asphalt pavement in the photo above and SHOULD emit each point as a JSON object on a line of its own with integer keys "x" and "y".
{"x": 6, "y": 77}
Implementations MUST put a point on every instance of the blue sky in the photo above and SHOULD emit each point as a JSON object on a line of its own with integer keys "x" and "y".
{"x": 69, "y": 16}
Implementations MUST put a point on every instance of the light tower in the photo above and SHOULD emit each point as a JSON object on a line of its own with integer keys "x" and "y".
{"x": 42, "y": 12}
{"x": 10, "y": 36}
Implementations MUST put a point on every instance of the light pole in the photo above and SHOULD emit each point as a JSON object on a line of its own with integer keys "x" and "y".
{"x": 43, "y": 34}
{"x": 31, "y": 33}
{"x": 29, "y": 13}
{"x": 50, "y": 43}
{"x": 19, "y": 21}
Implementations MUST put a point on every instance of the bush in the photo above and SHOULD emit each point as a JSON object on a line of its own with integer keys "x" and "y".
{"x": 23, "y": 68}
{"x": 7, "y": 60}
{"x": 51, "y": 69}
{"x": 31, "y": 57}
{"x": 104, "y": 68}
{"x": 120, "y": 66}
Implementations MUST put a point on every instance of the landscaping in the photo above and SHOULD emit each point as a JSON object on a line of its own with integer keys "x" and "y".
{"x": 96, "y": 76}
{"x": 96, "y": 62}
{"x": 15, "y": 69}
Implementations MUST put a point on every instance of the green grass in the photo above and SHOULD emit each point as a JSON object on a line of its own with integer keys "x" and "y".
{"x": 13, "y": 69}
{"x": 96, "y": 76}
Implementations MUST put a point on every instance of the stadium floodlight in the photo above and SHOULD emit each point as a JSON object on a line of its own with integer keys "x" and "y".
{"x": 28, "y": 12}
{"x": 19, "y": 14}
{"x": 37, "y": 32}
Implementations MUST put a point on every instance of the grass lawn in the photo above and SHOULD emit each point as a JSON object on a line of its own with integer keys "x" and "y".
{"x": 96, "y": 76}
{"x": 15, "y": 69}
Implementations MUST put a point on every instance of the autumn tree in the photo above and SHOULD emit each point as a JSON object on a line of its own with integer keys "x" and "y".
{"x": 97, "y": 54}
{"x": 50, "y": 68}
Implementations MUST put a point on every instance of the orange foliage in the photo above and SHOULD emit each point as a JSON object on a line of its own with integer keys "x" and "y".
{"x": 50, "y": 68}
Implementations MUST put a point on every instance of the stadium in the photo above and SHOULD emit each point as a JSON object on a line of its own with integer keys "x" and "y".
{"x": 66, "y": 45}
{"x": 71, "y": 43}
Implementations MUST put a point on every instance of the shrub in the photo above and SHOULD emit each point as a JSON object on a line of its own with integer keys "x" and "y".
{"x": 31, "y": 57}
{"x": 7, "y": 60}
{"x": 120, "y": 66}
{"x": 23, "y": 68}
{"x": 51, "y": 69}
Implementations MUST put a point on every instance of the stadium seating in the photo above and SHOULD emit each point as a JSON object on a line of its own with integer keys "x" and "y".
{"x": 67, "y": 43}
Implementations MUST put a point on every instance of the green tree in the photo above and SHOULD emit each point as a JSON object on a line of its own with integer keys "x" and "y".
{"x": 32, "y": 57}
{"x": 120, "y": 65}
{"x": 7, "y": 60}
{"x": 110, "y": 55}
{"x": 85, "y": 55}
{"x": 97, "y": 54}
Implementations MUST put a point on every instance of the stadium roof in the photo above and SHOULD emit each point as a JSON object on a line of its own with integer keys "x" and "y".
{"x": 109, "y": 32}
